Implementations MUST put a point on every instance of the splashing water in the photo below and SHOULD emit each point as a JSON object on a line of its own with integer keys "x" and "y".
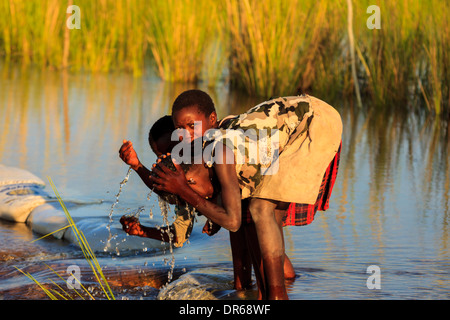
{"x": 165, "y": 209}
{"x": 151, "y": 209}
{"x": 122, "y": 184}
{"x": 135, "y": 213}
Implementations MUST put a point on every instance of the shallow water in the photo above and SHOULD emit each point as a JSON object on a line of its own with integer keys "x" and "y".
{"x": 389, "y": 208}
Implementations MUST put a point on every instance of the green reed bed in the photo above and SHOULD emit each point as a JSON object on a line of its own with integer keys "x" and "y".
{"x": 266, "y": 48}
{"x": 29, "y": 31}
{"x": 293, "y": 46}
{"x": 408, "y": 57}
{"x": 266, "y": 38}
{"x": 180, "y": 34}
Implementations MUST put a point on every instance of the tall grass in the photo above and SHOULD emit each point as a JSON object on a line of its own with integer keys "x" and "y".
{"x": 266, "y": 48}
{"x": 25, "y": 24}
{"x": 89, "y": 256}
{"x": 265, "y": 55}
{"x": 408, "y": 57}
{"x": 111, "y": 35}
{"x": 179, "y": 34}
{"x": 282, "y": 47}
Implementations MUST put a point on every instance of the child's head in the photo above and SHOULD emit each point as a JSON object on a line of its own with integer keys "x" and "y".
{"x": 198, "y": 176}
{"x": 159, "y": 136}
{"x": 192, "y": 106}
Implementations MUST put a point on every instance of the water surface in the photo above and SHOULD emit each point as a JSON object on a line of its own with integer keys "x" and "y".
{"x": 389, "y": 208}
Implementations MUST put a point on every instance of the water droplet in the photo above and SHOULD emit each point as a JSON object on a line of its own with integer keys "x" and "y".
{"x": 121, "y": 185}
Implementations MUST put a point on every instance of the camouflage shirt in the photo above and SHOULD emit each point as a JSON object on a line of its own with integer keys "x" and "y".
{"x": 258, "y": 136}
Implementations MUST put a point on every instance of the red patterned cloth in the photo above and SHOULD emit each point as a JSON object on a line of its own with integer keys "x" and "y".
{"x": 300, "y": 214}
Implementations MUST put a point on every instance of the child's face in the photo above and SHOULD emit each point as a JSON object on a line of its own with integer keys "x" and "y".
{"x": 187, "y": 118}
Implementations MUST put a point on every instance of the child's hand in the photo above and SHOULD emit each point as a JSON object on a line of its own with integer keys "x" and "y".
{"x": 131, "y": 226}
{"x": 167, "y": 180}
{"x": 211, "y": 228}
{"x": 128, "y": 155}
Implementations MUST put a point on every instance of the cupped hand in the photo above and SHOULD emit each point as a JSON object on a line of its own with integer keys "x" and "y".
{"x": 132, "y": 226}
{"x": 167, "y": 180}
{"x": 211, "y": 228}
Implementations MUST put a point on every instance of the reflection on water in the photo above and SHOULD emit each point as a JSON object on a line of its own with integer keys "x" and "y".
{"x": 390, "y": 205}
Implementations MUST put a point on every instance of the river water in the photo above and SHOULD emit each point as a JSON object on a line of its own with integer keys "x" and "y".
{"x": 390, "y": 206}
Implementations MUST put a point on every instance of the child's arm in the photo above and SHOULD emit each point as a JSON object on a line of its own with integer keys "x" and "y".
{"x": 133, "y": 227}
{"x": 211, "y": 228}
{"x": 129, "y": 156}
{"x": 229, "y": 214}
{"x": 177, "y": 233}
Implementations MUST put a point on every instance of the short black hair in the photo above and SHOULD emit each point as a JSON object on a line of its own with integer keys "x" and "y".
{"x": 194, "y": 97}
{"x": 162, "y": 126}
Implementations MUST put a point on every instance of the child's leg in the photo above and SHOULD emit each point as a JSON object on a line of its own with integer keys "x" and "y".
{"x": 289, "y": 272}
{"x": 271, "y": 244}
{"x": 255, "y": 254}
{"x": 242, "y": 266}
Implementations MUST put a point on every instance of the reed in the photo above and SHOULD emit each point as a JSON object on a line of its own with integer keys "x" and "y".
{"x": 86, "y": 249}
{"x": 23, "y": 23}
{"x": 111, "y": 35}
{"x": 265, "y": 48}
{"x": 437, "y": 55}
{"x": 407, "y": 57}
{"x": 265, "y": 42}
{"x": 89, "y": 256}
{"x": 179, "y": 34}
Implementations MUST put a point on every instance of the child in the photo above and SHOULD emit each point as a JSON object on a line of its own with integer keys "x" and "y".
{"x": 159, "y": 136}
{"x": 309, "y": 139}
{"x": 160, "y": 142}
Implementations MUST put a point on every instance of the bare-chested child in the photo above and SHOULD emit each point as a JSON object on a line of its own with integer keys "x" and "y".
{"x": 159, "y": 139}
